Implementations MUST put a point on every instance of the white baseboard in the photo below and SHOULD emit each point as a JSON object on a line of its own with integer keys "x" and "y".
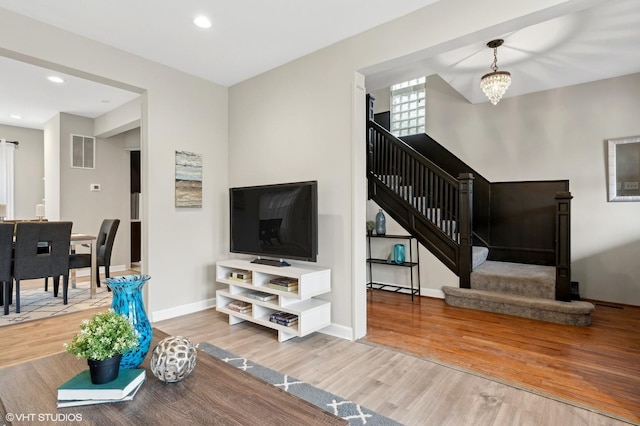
{"x": 183, "y": 310}
{"x": 432, "y": 292}
{"x": 85, "y": 272}
{"x": 337, "y": 330}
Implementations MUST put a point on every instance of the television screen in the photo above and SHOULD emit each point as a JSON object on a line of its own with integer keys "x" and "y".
{"x": 277, "y": 221}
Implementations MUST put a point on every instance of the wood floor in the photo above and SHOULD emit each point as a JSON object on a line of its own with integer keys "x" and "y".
{"x": 597, "y": 366}
{"x": 412, "y": 389}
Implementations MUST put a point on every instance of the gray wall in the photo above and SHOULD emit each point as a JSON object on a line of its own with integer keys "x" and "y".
{"x": 88, "y": 208}
{"x": 29, "y": 169}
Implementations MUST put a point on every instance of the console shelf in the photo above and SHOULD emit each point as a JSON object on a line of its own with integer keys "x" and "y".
{"x": 411, "y": 289}
{"x": 313, "y": 314}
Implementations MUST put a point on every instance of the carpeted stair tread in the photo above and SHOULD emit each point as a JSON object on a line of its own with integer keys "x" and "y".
{"x": 515, "y": 278}
{"x": 570, "y": 313}
{"x": 478, "y": 256}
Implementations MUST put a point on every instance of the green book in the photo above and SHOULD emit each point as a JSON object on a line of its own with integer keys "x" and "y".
{"x": 80, "y": 386}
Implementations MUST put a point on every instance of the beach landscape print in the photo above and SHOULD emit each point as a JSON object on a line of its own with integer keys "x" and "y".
{"x": 188, "y": 179}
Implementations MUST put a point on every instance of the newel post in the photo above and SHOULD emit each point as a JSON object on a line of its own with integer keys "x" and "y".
{"x": 563, "y": 246}
{"x": 465, "y": 226}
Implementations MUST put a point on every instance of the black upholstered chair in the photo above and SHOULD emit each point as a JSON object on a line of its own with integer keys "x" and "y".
{"x": 31, "y": 261}
{"x": 104, "y": 246}
{"x": 6, "y": 264}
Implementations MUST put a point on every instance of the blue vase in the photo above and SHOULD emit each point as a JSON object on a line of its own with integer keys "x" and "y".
{"x": 127, "y": 300}
{"x": 398, "y": 254}
{"x": 381, "y": 225}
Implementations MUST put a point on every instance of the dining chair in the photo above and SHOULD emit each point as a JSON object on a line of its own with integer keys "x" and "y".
{"x": 103, "y": 247}
{"x": 31, "y": 261}
{"x": 6, "y": 263}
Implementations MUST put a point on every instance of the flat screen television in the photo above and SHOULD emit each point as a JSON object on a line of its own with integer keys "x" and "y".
{"x": 275, "y": 221}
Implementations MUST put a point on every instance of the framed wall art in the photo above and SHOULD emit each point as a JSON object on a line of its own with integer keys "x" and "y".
{"x": 623, "y": 164}
{"x": 188, "y": 179}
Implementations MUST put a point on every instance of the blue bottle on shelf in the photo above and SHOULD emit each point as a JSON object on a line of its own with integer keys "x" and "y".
{"x": 381, "y": 225}
{"x": 398, "y": 254}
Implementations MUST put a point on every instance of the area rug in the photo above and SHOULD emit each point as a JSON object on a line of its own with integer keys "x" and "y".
{"x": 354, "y": 413}
{"x": 35, "y": 303}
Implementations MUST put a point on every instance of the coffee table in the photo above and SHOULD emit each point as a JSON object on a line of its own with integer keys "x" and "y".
{"x": 215, "y": 393}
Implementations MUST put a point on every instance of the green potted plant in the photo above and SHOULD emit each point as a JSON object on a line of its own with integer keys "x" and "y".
{"x": 103, "y": 340}
{"x": 371, "y": 225}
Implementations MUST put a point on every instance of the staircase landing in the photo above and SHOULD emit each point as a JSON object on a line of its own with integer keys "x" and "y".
{"x": 515, "y": 278}
{"x": 521, "y": 290}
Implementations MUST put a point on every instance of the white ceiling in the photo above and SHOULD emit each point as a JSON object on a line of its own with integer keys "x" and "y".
{"x": 253, "y": 36}
{"x": 593, "y": 44}
{"x": 26, "y": 92}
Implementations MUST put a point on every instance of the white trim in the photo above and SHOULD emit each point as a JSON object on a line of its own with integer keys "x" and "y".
{"x": 337, "y": 330}
{"x": 7, "y": 177}
{"x": 183, "y": 310}
{"x": 359, "y": 113}
{"x": 432, "y": 292}
{"x": 85, "y": 272}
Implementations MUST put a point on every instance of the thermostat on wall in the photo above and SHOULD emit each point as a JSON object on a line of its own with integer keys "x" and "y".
{"x": 94, "y": 187}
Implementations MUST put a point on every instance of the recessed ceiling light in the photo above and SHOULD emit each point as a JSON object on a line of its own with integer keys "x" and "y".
{"x": 202, "y": 21}
{"x": 55, "y": 79}
{"x": 16, "y": 116}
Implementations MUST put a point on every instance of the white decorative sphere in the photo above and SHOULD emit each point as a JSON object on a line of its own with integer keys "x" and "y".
{"x": 173, "y": 359}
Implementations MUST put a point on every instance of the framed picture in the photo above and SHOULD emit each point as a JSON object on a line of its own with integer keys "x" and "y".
{"x": 623, "y": 165}
{"x": 188, "y": 179}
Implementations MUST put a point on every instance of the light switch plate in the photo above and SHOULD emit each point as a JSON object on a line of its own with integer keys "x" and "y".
{"x": 94, "y": 187}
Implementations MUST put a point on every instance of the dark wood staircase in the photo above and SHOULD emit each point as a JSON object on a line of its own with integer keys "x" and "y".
{"x": 438, "y": 210}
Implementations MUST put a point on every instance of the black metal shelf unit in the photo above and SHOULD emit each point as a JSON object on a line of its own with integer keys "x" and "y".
{"x": 412, "y": 290}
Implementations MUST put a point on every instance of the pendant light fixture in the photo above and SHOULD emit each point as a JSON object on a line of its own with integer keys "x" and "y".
{"x": 496, "y": 83}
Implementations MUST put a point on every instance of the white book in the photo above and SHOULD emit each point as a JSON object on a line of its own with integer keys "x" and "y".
{"x": 79, "y": 402}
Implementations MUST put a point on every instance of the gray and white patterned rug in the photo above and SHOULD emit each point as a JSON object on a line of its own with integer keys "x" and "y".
{"x": 354, "y": 413}
{"x": 35, "y": 303}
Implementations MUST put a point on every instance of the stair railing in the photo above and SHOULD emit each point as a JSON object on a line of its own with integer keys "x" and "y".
{"x": 419, "y": 182}
{"x": 441, "y": 206}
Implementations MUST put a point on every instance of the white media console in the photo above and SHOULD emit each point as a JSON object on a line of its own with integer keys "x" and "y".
{"x": 313, "y": 314}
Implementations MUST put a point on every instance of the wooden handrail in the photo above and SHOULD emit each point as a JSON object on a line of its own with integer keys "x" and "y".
{"x": 420, "y": 182}
{"x": 381, "y": 131}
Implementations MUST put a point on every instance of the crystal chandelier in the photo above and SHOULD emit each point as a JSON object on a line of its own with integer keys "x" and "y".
{"x": 495, "y": 83}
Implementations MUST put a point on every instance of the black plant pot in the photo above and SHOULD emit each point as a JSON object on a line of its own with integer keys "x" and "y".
{"x": 104, "y": 371}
